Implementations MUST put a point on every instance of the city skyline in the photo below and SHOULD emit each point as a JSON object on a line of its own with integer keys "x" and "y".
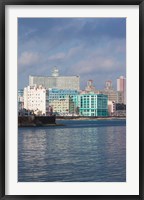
{"x": 93, "y": 48}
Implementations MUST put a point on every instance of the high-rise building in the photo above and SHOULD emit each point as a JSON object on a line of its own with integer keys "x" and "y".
{"x": 121, "y": 89}
{"x": 56, "y": 81}
{"x": 36, "y": 99}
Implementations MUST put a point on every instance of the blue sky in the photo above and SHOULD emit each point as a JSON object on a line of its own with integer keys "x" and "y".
{"x": 93, "y": 48}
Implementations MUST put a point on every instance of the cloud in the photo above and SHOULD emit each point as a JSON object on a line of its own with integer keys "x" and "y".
{"x": 89, "y": 47}
{"x": 67, "y": 55}
{"x": 74, "y": 51}
{"x": 57, "y": 56}
{"x": 28, "y": 58}
{"x": 29, "y": 32}
{"x": 97, "y": 64}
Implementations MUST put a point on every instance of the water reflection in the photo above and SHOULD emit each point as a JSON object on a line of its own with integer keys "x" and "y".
{"x": 72, "y": 154}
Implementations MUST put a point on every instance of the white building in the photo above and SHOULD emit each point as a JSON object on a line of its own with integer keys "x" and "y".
{"x": 56, "y": 81}
{"x": 35, "y": 99}
{"x": 111, "y": 107}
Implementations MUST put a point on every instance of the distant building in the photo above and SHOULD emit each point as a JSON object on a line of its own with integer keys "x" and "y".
{"x": 90, "y": 87}
{"x": 56, "y": 81}
{"x": 120, "y": 106}
{"x": 120, "y": 109}
{"x": 120, "y": 97}
{"x": 111, "y": 108}
{"x": 121, "y": 89}
{"x": 109, "y": 91}
{"x": 93, "y": 105}
{"x": 20, "y": 100}
{"x": 63, "y": 102}
{"x": 36, "y": 99}
{"x": 108, "y": 85}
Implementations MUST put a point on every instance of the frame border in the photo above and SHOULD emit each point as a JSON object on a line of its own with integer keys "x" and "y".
{"x": 3, "y": 3}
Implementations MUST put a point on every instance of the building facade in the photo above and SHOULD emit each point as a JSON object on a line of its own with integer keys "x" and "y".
{"x": 111, "y": 108}
{"x": 20, "y": 100}
{"x": 36, "y": 99}
{"x": 109, "y": 91}
{"x": 63, "y": 102}
{"x": 93, "y": 105}
{"x": 121, "y": 90}
{"x": 56, "y": 81}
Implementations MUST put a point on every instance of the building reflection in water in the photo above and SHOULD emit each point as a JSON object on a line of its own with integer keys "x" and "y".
{"x": 72, "y": 154}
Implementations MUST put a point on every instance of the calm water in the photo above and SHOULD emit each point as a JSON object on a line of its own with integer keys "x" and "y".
{"x": 80, "y": 151}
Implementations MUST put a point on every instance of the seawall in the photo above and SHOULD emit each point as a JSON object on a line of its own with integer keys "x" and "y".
{"x": 89, "y": 117}
{"x": 36, "y": 120}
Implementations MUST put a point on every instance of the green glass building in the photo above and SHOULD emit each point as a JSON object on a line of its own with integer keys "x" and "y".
{"x": 93, "y": 105}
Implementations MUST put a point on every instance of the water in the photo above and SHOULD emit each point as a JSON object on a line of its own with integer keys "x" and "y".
{"x": 80, "y": 151}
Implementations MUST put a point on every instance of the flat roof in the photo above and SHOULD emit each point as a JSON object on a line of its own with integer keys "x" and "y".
{"x": 54, "y": 76}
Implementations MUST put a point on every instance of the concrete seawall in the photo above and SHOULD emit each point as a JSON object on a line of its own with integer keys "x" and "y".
{"x": 88, "y": 117}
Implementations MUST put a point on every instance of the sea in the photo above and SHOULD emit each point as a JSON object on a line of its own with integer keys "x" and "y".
{"x": 77, "y": 151}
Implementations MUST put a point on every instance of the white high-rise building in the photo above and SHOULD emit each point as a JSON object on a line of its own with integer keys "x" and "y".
{"x": 121, "y": 89}
{"x": 56, "y": 81}
{"x": 35, "y": 99}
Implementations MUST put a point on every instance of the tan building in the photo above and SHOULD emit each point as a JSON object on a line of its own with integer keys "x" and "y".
{"x": 112, "y": 95}
{"x": 60, "y": 106}
{"x": 121, "y": 89}
{"x": 109, "y": 91}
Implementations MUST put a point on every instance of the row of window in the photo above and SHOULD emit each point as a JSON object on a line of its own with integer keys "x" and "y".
{"x": 36, "y": 101}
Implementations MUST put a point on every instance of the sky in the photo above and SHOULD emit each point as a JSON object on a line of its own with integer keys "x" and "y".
{"x": 93, "y": 48}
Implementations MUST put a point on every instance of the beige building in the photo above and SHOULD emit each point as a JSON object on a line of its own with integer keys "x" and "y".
{"x": 60, "y": 106}
{"x": 121, "y": 89}
{"x": 109, "y": 91}
{"x": 112, "y": 95}
{"x": 35, "y": 99}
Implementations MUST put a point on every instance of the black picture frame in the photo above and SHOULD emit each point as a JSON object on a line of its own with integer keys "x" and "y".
{"x": 3, "y": 3}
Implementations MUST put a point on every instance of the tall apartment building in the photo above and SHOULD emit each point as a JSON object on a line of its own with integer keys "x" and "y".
{"x": 36, "y": 99}
{"x": 121, "y": 90}
{"x": 56, "y": 81}
{"x": 93, "y": 105}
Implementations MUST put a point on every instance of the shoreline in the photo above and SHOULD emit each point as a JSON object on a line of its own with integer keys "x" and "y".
{"x": 42, "y": 125}
{"x": 90, "y": 118}
{"x": 67, "y": 118}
